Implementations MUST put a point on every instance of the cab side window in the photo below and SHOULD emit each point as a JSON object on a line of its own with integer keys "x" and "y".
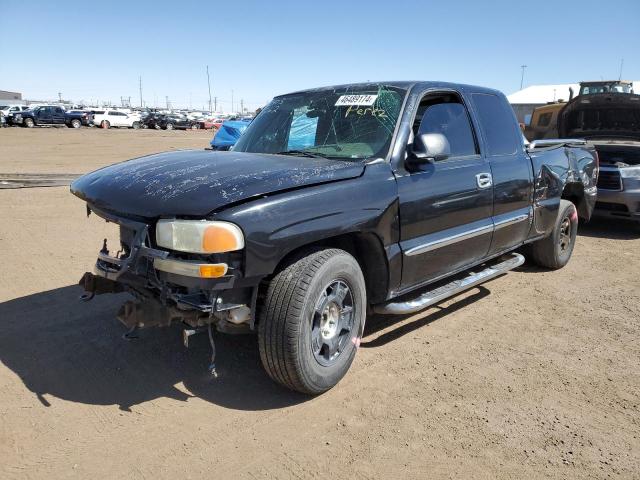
{"x": 445, "y": 114}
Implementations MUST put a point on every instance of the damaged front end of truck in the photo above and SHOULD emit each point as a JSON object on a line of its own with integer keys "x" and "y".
{"x": 169, "y": 286}
{"x": 201, "y": 291}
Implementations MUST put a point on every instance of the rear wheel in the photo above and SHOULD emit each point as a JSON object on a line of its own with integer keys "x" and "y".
{"x": 29, "y": 123}
{"x": 105, "y": 124}
{"x": 195, "y": 126}
{"x": 169, "y": 126}
{"x": 135, "y": 125}
{"x": 312, "y": 321}
{"x": 75, "y": 123}
{"x": 555, "y": 250}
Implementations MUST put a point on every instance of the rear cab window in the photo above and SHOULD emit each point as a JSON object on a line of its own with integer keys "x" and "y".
{"x": 497, "y": 124}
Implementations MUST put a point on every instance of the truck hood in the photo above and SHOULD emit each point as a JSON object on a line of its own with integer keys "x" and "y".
{"x": 193, "y": 183}
{"x": 601, "y": 116}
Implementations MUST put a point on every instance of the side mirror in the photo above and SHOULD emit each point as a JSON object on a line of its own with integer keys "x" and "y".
{"x": 430, "y": 147}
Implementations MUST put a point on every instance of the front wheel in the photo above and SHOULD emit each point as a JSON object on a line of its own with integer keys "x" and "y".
{"x": 169, "y": 126}
{"x": 312, "y": 321}
{"x": 29, "y": 123}
{"x": 555, "y": 250}
{"x": 135, "y": 125}
{"x": 105, "y": 124}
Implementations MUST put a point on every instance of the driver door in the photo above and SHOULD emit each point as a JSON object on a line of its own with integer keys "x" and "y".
{"x": 446, "y": 205}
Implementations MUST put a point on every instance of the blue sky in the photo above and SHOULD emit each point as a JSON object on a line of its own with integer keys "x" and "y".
{"x": 96, "y": 50}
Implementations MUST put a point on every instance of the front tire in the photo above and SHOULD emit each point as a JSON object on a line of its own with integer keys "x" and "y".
{"x": 135, "y": 125}
{"x": 169, "y": 126}
{"x": 105, "y": 124}
{"x": 29, "y": 123}
{"x": 312, "y": 321}
{"x": 555, "y": 250}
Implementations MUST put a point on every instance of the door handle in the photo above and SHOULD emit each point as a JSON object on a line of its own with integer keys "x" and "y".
{"x": 484, "y": 180}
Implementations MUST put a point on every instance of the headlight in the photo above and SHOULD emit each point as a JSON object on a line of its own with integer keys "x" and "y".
{"x": 630, "y": 172}
{"x": 199, "y": 236}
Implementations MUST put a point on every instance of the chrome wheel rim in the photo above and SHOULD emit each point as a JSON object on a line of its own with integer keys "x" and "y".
{"x": 332, "y": 322}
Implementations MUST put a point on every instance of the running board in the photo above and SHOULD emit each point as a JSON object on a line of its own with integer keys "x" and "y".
{"x": 431, "y": 297}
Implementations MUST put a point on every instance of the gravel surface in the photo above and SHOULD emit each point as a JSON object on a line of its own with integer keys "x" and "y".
{"x": 533, "y": 375}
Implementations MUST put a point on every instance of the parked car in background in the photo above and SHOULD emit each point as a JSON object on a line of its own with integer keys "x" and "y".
{"x": 87, "y": 115}
{"x": 610, "y": 121}
{"x": 228, "y": 134}
{"x": 334, "y": 202}
{"x": 151, "y": 120}
{"x": 112, "y": 118}
{"x": 49, "y": 115}
{"x": 178, "y": 122}
{"x": 9, "y": 111}
{"x": 209, "y": 123}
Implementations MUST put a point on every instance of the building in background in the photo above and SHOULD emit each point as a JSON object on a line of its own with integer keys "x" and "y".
{"x": 10, "y": 98}
{"x": 525, "y": 101}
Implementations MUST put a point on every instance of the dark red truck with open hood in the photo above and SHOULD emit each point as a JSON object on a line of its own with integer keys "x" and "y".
{"x": 610, "y": 121}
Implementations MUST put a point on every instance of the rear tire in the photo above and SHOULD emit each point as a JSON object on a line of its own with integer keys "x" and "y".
{"x": 555, "y": 250}
{"x": 135, "y": 125}
{"x": 169, "y": 126}
{"x": 75, "y": 123}
{"x": 105, "y": 124}
{"x": 312, "y": 321}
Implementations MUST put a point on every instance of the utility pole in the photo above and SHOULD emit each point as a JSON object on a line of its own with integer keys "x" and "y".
{"x": 215, "y": 104}
{"x": 231, "y": 100}
{"x": 241, "y": 105}
{"x": 167, "y": 100}
{"x": 522, "y": 76}
{"x": 209, "y": 84}
{"x": 140, "y": 85}
{"x": 60, "y": 97}
{"x": 621, "y": 65}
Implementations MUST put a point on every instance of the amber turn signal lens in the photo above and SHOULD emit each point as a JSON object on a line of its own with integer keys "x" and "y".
{"x": 213, "y": 271}
{"x": 217, "y": 239}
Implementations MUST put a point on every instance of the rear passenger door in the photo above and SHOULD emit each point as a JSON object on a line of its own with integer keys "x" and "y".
{"x": 445, "y": 206}
{"x": 57, "y": 116}
{"x": 511, "y": 171}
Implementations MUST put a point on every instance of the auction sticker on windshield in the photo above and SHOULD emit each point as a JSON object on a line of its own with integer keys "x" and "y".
{"x": 356, "y": 100}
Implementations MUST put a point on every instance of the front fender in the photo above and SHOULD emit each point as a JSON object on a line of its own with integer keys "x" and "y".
{"x": 276, "y": 225}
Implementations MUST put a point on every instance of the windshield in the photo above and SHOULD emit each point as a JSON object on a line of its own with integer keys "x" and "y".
{"x": 606, "y": 88}
{"x": 346, "y": 123}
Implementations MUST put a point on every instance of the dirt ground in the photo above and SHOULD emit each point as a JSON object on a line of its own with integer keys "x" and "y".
{"x": 533, "y": 375}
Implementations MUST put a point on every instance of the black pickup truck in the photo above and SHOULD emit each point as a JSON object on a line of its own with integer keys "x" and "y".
{"x": 335, "y": 202}
{"x": 52, "y": 115}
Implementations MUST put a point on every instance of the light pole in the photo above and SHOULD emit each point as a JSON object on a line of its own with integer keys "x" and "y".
{"x": 209, "y": 84}
{"x": 522, "y": 76}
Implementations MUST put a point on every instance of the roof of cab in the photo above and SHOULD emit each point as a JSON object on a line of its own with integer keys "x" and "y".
{"x": 405, "y": 84}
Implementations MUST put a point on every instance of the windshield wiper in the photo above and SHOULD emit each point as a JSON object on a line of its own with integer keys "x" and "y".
{"x": 303, "y": 153}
